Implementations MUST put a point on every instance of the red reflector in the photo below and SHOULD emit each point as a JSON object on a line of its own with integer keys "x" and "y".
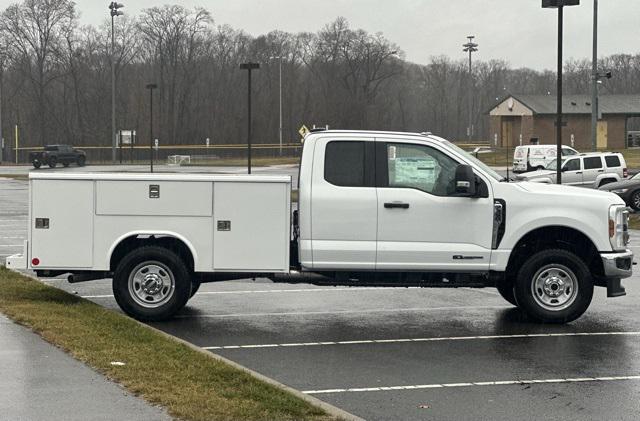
{"x": 35, "y": 261}
{"x": 625, "y": 172}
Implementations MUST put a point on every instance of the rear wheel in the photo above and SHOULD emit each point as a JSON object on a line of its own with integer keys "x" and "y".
{"x": 65, "y": 164}
{"x": 195, "y": 286}
{"x": 151, "y": 283}
{"x": 554, "y": 286}
{"x": 37, "y": 164}
{"x": 53, "y": 161}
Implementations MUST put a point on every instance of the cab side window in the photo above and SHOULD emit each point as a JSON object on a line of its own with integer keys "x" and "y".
{"x": 592, "y": 162}
{"x": 349, "y": 163}
{"x": 420, "y": 167}
{"x": 572, "y": 165}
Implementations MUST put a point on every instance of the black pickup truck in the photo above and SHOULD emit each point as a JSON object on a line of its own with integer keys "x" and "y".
{"x": 58, "y": 154}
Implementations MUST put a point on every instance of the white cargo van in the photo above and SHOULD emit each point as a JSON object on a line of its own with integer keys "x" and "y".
{"x": 537, "y": 157}
{"x": 375, "y": 208}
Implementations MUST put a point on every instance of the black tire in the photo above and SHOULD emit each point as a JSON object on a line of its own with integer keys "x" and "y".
{"x": 65, "y": 164}
{"x": 53, "y": 161}
{"x": 539, "y": 167}
{"x": 634, "y": 200}
{"x": 37, "y": 164}
{"x": 573, "y": 286}
{"x": 168, "y": 265}
{"x": 195, "y": 286}
{"x": 81, "y": 161}
{"x": 505, "y": 288}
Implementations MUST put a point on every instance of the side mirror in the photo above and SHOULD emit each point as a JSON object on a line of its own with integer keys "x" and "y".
{"x": 465, "y": 181}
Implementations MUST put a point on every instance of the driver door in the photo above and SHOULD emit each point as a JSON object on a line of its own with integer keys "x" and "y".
{"x": 572, "y": 172}
{"x": 421, "y": 224}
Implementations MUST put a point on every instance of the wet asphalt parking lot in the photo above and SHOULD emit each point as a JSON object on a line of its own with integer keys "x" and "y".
{"x": 405, "y": 353}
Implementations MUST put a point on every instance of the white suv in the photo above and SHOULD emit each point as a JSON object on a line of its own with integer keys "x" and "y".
{"x": 587, "y": 170}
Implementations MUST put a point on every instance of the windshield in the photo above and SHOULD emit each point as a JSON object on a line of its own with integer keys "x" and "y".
{"x": 553, "y": 165}
{"x": 475, "y": 160}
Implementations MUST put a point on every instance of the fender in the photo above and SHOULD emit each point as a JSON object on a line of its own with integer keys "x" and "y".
{"x": 156, "y": 233}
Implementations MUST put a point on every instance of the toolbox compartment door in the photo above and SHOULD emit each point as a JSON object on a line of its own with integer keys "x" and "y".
{"x": 63, "y": 237}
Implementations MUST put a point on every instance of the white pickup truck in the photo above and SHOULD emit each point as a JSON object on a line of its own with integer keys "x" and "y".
{"x": 374, "y": 208}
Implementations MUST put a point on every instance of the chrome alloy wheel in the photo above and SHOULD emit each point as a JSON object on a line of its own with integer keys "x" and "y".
{"x": 554, "y": 287}
{"x": 151, "y": 284}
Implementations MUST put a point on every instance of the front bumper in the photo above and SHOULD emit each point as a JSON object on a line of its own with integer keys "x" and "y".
{"x": 617, "y": 265}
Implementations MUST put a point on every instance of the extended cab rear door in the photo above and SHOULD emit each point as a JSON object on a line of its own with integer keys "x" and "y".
{"x": 344, "y": 210}
{"x": 421, "y": 224}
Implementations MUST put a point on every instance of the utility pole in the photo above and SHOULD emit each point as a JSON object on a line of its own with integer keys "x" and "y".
{"x": 594, "y": 79}
{"x": 470, "y": 47}
{"x": 113, "y": 6}
{"x": 559, "y": 4}
{"x": 249, "y": 66}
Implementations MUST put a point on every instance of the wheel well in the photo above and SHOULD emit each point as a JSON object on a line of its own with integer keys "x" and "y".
{"x": 607, "y": 181}
{"x": 555, "y": 237}
{"x": 135, "y": 241}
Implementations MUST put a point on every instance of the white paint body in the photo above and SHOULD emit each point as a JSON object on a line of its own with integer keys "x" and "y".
{"x": 341, "y": 228}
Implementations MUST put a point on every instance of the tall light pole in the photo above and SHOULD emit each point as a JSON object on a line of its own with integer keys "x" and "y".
{"x": 559, "y": 4}
{"x": 594, "y": 79}
{"x": 151, "y": 87}
{"x": 249, "y": 66}
{"x": 113, "y": 6}
{"x": 280, "y": 95}
{"x": 470, "y": 47}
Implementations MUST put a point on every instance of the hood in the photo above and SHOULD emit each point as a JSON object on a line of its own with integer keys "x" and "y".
{"x": 535, "y": 174}
{"x": 623, "y": 184}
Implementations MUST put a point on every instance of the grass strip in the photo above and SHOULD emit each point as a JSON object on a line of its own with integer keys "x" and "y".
{"x": 15, "y": 176}
{"x": 165, "y": 372}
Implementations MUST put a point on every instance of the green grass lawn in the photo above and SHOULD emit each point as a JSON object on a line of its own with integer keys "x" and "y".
{"x": 188, "y": 383}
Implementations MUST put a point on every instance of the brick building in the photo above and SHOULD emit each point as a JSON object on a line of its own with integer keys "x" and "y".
{"x": 530, "y": 117}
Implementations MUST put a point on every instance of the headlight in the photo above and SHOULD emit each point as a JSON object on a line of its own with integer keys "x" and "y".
{"x": 619, "y": 191}
{"x": 618, "y": 227}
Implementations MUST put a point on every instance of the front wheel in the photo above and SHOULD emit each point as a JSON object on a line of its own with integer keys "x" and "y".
{"x": 151, "y": 283}
{"x": 554, "y": 286}
{"x": 37, "y": 164}
{"x": 53, "y": 162}
{"x": 81, "y": 161}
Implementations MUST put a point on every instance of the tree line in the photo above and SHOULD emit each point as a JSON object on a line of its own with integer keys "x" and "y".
{"x": 55, "y": 79}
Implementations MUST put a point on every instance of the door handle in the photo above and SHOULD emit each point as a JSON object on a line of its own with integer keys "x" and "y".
{"x": 400, "y": 205}
{"x": 579, "y": 172}
{"x": 600, "y": 170}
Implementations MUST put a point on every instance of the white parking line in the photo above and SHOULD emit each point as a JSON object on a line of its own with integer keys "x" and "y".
{"x": 471, "y": 384}
{"x": 318, "y": 313}
{"x": 11, "y": 245}
{"x": 432, "y": 339}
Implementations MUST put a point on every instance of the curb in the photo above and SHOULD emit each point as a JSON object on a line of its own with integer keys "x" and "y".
{"x": 328, "y": 408}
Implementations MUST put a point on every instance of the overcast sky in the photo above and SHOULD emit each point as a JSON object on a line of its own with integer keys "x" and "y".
{"x": 519, "y": 31}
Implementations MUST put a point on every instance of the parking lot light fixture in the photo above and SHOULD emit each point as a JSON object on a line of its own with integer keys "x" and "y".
{"x": 249, "y": 66}
{"x": 115, "y": 12}
{"x": 559, "y": 4}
